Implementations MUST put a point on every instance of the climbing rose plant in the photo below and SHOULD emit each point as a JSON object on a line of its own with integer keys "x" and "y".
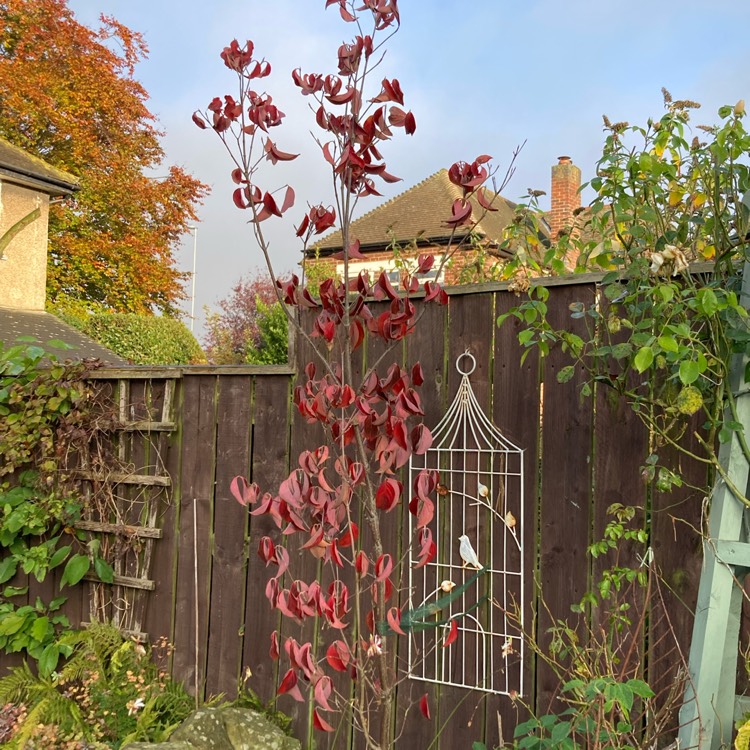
{"x": 373, "y": 421}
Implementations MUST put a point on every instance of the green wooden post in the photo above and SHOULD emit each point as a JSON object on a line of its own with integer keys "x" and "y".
{"x": 707, "y": 714}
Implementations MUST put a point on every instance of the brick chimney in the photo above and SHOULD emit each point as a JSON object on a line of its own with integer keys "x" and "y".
{"x": 566, "y": 180}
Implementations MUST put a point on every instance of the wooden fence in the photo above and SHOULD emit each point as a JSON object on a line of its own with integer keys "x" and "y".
{"x": 208, "y": 583}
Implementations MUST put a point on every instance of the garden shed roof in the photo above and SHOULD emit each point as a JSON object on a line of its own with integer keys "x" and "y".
{"x": 44, "y": 328}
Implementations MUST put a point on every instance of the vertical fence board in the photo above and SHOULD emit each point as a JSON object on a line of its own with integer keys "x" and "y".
{"x": 677, "y": 520}
{"x": 160, "y": 606}
{"x": 197, "y": 482}
{"x": 270, "y": 465}
{"x": 516, "y": 411}
{"x": 303, "y": 437}
{"x": 566, "y": 488}
{"x": 429, "y": 351}
{"x": 227, "y": 601}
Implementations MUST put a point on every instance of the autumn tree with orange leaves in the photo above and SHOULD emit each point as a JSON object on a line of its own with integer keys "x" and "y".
{"x": 68, "y": 95}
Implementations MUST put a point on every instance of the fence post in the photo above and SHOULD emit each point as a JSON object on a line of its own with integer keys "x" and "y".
{"x": 707, "y": 714}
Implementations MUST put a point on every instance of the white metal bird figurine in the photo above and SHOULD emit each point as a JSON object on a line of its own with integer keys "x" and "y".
{"x": 468, "y": 555}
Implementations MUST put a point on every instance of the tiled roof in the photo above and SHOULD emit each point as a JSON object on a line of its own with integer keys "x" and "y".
{"x": 44, "y": 328}
{"x": 18, "y": 166}
{"x": 419, "y": 213}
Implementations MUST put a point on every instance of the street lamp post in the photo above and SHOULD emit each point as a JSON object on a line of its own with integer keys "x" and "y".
{"x": 192, "y": 293}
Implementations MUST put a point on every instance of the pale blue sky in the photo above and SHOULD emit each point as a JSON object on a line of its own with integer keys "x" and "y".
{"x": 480, "y": 77}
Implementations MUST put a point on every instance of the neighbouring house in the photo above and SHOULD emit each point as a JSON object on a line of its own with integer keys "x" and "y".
{"x": 413, "y": 222}
{"x": 28, "y": 186}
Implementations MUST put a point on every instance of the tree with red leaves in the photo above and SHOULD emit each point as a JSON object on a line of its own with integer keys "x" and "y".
{"x": 243, "y": 326}
{"x": 372, "y": 420}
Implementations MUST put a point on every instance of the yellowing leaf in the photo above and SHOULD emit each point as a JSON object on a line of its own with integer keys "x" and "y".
{"x": 708, "y": 252}
{"x": 675, "y": 197}
{"x": 697, "y": 200}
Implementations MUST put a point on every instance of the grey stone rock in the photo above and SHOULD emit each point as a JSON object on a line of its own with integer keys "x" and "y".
{"x": 224, "y": 729}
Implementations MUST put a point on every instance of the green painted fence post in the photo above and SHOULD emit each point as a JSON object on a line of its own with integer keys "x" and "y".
{"x": 707, "y": 714}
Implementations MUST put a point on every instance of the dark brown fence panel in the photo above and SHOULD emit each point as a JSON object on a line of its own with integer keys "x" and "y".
{"x": 584, "y": 454}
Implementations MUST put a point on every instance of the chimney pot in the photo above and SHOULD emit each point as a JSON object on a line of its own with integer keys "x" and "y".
{"x": 564, "y": 160}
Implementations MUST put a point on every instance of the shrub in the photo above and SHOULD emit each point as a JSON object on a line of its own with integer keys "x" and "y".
{"x": 143, "y": 339}
{"x": 110, "y": 692}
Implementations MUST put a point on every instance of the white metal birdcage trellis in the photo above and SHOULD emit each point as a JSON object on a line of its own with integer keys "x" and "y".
{"x": 480, "y": 496}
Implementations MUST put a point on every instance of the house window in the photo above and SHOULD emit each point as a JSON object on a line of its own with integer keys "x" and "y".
{"x": 394, "y": 269}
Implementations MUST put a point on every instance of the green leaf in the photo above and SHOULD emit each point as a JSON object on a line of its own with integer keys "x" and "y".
{"x": 48, "y": 660}
{"x": 40, "y": 628}
{"x": 564, "y": 375}
{"x": 560, "y": 732}
{"x": 10, "y": 591}
{"x": 622, "y": 350}
{"x": 668, "y": 343}
{"x": 640, "y": 688}
{"x": 7, "y": 568}
{"x": 104, "y": 570}
{"x": 643, "y": 359}
{"x": 502, "y": 318}
{"x": 689, "y": 371}
{"x": 707, "y": 302}
{"x": 55, "y": 604}
{"x": 59, "y": 557}
{"x": 76, "y": 568}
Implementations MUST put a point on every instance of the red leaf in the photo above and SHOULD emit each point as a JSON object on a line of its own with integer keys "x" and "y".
{"x": 383, "y": 567}
{"x": 266, "y": 549}
{"x": 425, "y": 262}
{"x": 288, "y": 199}
{"x": 199, "y": 121}
{"x": 322, "y": 691}
{"x": 421, "y": 439}
{"x": 484, "y": 201}
{"x": 452, "y": 634}
{"x": 302, "y": 228}
{"x": 410, "y": 124}
{"x": 244, "y": 493}
{"x": 362, "y": 563}
{"x": 417, "y": 375}
{"x": 354, "y": 251}
{"x": 289, "y": 685}
{"x": 335, "y": 555}
{"x": 461, "y": 213}
{"x": 388, "y": 494}
{"x": 282, "y": 560}
{"x": 274, "y": 650}
{"x": 338, "y": 656}
{"x": 394, "y": 620}
{"x": 274, "y": 155}
{"x": 350, "y": 536}
{"x": 238, "y": 198}
{"x": 424, "y": 706}
{"x": 318, "y": 721}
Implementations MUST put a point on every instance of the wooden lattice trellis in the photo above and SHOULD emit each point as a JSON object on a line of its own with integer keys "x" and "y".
{"x": 480, "y": 496}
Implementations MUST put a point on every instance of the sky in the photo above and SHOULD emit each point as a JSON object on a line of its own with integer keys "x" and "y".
{"x": 481, "y": 76}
